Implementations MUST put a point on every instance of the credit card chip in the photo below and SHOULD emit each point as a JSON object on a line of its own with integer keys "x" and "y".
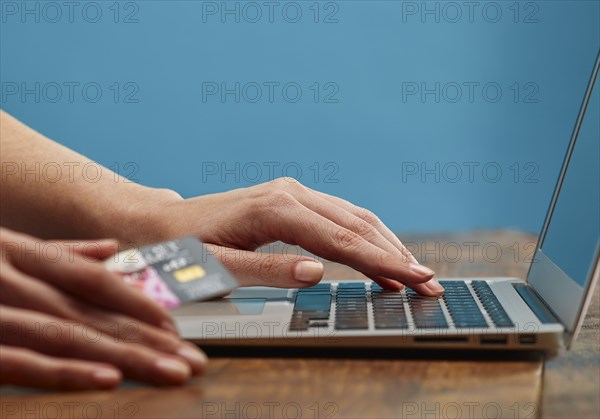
{"x": 189, "y": 273}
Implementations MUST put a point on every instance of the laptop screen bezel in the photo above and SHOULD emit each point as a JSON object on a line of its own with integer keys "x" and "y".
{"x": 542, "y": 266}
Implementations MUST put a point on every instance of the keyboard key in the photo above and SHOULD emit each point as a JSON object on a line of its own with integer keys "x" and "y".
{"x": 426, "y": 311}
{"x": 491, "y": 304}
{"x": 351, "y": 306}
{"x": 312, "y": 303}
{"x": 351, "y": 325}
{"x": 388, "y": 310}
{"x": 462, "y": 306}
{"x": 351, "y": 285}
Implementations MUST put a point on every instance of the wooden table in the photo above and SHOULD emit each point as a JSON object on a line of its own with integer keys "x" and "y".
{"x": 286, "y": 383}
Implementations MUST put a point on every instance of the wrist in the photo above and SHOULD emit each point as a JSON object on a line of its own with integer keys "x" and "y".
{"x": 148, "y": 217}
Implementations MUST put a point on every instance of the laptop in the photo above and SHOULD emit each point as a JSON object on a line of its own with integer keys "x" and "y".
{"x": 544, "y": 312}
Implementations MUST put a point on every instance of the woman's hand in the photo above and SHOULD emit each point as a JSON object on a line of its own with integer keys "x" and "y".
{"x": 66, "y": 322}
{"x": 238, "y": 222}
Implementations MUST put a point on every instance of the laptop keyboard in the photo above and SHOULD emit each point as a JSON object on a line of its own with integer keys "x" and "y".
{"x": 462, "y": 306}
{"x": 491, "y": 304}
{"x": 351, "y": 310}
{"x": 388, "y": 309}
{"x": 392, "y": 309}
{"x": 312, "y": 306}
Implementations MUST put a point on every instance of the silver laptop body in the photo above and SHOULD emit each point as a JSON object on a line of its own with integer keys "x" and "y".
{"x": 545, "y": 312}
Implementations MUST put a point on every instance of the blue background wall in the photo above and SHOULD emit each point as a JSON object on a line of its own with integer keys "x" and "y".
{"x": 361, "y": 142}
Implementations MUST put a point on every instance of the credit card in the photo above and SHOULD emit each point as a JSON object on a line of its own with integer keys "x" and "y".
{"x": 174, "y": 272}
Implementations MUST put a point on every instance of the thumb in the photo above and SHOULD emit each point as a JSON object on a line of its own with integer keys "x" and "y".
{"x": 269, "y": 269}
{"x": 91, "y": 249}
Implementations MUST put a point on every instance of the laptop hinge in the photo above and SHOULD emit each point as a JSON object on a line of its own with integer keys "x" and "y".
{"x": 536, "y": 304}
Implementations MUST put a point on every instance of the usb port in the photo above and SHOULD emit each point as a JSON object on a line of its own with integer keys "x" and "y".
{"x": 494, "y": 340}
{"x": 527, "y": 339}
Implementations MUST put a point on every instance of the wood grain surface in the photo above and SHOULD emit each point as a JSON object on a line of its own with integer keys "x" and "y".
{"x": 376, "y": 384}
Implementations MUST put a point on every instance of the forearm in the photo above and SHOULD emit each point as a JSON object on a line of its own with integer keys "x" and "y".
{"x": 51, "y": 191}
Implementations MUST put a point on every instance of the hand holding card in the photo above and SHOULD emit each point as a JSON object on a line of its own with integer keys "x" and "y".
{"x": 174, "y": 272}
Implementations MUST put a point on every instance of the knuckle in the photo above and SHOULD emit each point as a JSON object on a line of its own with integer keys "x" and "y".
{"x": 368, "y": 216}
{"x": 168, "y": 194}
{"x": 132, "y": 354}
{"x": 266, "y": 265}
{"x": 63, "y": 374}
{"x": 380, "y": 261}
{"x": 286, "y": 182}
{"x": 98, "y": 278}
{"x": 347, "y": 239}
{"x": 276, "y": 194}
{"x": 7, "y": 276}
{"x": 265, "y": 269}
{"x": 169, "y": 342}
{"x": 135, "y": 333}
{"x": 280, "y": 199}
{"x": 365, "y": 230}
{"x": 15, "y": 359}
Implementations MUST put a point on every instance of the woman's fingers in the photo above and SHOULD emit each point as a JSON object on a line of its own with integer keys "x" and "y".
{"x": 284, "y": 270}
{"x": 269, "y": 269}
{"x": 294, "y": 223}
{"x": 342, "y": 217}
{"x": 88, "y": 280}
{"x": 23, "y": 367}
{"x": 387, "y": 284}
{"x": 368, "y": 226}
{"x": 337, "y": 230}
{"x": 91, "y": 249}
{"x": 63, "y": 338}
{"x": 372, "y": 219}
{"x": 124, "y": 329}
{"x": 82, "y": 330}
{"x": 21, "y": 291}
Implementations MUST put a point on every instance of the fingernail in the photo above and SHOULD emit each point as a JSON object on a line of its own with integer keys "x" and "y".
{"x": 107, "y": 376}
{"x": 195, "y": 357}
{"x": 420, "y": 269}
{"x": 109, "y": 243}
{"x": 308, "y": 271}
{"x": 175, "y": 369}
{"x": 170, "y": 326}
{"x": 400, "y": 286}
{"x": 434, "y": 286}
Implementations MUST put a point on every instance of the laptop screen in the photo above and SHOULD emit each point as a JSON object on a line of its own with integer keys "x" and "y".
{"x": 572, "y": 236}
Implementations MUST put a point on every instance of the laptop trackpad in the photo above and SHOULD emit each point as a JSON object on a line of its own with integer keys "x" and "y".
{"x": 261, "y": 292}
{"x": 225, "y": 307}
{"x": 243, "y": 301}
